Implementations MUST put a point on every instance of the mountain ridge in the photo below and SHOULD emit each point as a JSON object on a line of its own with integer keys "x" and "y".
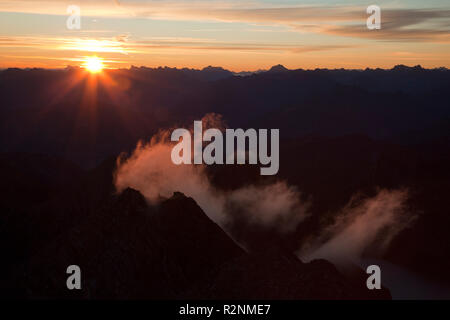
{"x": 171, "y": 251}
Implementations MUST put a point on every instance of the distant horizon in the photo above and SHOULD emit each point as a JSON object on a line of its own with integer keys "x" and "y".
{"x": 229, "y": 70}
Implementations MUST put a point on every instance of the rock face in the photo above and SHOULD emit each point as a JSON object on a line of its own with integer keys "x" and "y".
{"x": 130, "y": 250}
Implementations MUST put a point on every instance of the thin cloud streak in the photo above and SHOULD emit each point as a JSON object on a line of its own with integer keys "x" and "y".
{"x": 126, "y": 46}
{"x": 415, "y": 25}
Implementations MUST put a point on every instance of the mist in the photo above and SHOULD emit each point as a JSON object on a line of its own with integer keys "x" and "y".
{"x": 362, "y": 224}
{"x": 150, "y": 170}
{"x": 367, "y": 223}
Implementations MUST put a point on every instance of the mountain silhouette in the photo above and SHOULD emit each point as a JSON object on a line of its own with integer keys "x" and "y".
{"x": 342, "y": 133}
{"x": 277, "y": 69}
{"x": 130, "y": 250}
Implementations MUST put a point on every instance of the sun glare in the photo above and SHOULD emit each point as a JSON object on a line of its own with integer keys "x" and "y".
{"x": 93, "y": 64}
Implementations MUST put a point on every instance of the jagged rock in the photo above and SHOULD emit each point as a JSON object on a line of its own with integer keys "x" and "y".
{"x": 129, "y": 249}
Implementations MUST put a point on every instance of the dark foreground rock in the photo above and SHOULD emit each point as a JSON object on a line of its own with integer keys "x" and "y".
{"x": 130, "y": 250}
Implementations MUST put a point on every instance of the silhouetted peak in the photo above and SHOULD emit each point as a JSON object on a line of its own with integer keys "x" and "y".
{"x": 181, "y": 207}
{"x": 211, "y": 68}
{"x": 402, "y": 67}
{"x": 278, "y": 68}
{"x": 178, "y": 196}
{"x": 211, "y": 73}
{"x": 131, "y": 198}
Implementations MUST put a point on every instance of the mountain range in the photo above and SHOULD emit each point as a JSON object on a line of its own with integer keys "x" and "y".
{"x": 345, "y": 135}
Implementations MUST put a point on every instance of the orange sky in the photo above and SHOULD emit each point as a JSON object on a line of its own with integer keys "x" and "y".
{"x": 237, "y": 35}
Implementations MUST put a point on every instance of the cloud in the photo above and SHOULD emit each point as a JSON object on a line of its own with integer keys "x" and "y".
{"x": 362, "y": 224}
{"x": 409, "y": 25}
{"x": 275, "y": 206}
{"x": 111, "y": 45}
{"x": 150, "y": 170}
{"x": 242, "y": 47}
{"x": 123, "y": 44}
{"x": 304, "y": 49}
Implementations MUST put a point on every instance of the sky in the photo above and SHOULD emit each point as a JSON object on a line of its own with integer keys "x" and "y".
{"x": 238, "y": 35}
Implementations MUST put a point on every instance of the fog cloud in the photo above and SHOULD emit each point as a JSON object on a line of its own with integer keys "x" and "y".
{"x": 371, "y": 222}
{"x": 150, "y": 170}
{"x": 362, "y": 224}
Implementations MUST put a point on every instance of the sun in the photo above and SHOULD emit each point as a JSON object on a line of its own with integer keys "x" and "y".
{"x": 93, "y": 64}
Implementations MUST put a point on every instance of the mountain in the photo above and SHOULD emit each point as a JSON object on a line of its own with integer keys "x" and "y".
{"x": 342, "y": 133}
{"x": 278, "y": 69}
{"x": 48, "y": 112}
{"x": 130, "y": 250}
{"x": 215, "y": 73}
